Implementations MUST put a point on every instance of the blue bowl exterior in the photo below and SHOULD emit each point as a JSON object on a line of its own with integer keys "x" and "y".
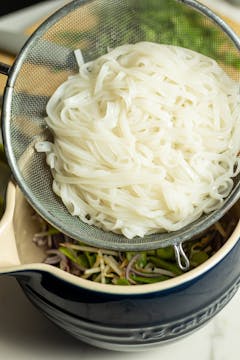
{"x": 129, "y": 321}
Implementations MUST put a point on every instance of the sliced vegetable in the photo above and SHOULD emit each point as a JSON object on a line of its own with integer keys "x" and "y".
{"x": 127, "y": 268}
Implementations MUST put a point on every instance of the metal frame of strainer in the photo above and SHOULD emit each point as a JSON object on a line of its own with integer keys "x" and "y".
{"x": 153, "y": 241}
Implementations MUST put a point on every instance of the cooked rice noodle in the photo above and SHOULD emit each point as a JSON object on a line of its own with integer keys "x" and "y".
{"x": 146, "y": 138}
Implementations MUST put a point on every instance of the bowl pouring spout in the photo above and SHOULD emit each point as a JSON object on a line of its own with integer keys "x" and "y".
{"x": 8, "y": 249}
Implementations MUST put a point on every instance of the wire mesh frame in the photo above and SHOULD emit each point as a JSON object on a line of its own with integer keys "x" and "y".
{"x": 152, "y": 241}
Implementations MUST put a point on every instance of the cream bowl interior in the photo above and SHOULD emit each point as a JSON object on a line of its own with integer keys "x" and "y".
{"x": 31, "y": 257}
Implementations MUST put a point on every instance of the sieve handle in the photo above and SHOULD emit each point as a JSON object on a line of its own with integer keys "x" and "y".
{"x": 4, "y": 68}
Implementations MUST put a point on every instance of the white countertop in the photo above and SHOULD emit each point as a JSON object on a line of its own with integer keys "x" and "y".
{"x": 26, "y": 334}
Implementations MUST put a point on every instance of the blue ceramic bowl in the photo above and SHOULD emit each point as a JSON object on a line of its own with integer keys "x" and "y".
{"x": 110, "y": 316}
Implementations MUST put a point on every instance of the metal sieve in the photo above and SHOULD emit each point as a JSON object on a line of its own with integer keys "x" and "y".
{"x": 47, "y": 59}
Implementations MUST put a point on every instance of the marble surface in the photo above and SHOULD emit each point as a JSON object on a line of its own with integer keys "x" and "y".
{"x": 27, "y": 334}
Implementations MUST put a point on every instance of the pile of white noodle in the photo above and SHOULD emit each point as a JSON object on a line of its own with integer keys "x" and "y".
{"x": 146, "y": 138}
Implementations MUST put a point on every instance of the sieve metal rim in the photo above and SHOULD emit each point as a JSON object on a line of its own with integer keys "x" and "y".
{"x": 174, "y": 238}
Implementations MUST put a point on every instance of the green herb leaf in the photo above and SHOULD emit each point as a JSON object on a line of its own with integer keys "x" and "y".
{"x": 71, "y": 254}
{"x": 122, "y": 281}
{"x": 161, "y": 263}
{"x": 198, "y": 258}
{"x": 166, "y": 253}
{"x": 148, "y": 280}
{"x": 91, "y": 258}
{"x": 142, "y": 260}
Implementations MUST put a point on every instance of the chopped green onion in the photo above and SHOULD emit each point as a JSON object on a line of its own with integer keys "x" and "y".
{"x": 128, "y": 268}
{"x": 165, "y": 265}
{"x": 166, "y": 253}
{"x": 198, "y": 258}
{"x": 148, "y": 280}
{"x": 122, "y": 281}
